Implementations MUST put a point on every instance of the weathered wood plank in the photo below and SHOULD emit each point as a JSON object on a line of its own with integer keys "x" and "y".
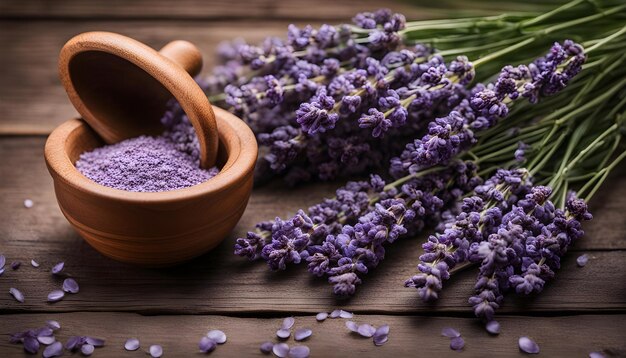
{"x": 219, "y": 282}
{"x": 569, "y": 336}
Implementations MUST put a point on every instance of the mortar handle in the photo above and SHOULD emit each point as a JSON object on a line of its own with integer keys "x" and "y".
{"x": 185, "y": 54}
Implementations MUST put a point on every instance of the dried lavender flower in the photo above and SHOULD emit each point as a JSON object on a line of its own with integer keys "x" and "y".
{"x": 281, "y": 350}
{"x": 335, "y": 314}
{"x": 16, "y": 265}
{"x": 156, "y": 351}
{"x": 457, "y": 343}
{"x": 596, "y": 355}
{"x": 493, "y": 327}
{"x": 54, "y": 325}
{"x": 283, "y": 333}
{"x": 70, "y": 285}
{"x": 299, "y": 352}
{"x": 450, "y": 332}
{"x": 3, "y": 261}
{"x": 87, "y": 349}
{"x": 207, "y": 345}
{"x": 321, "y": 316}
{"x": 56, "y": 269}
{"x": 352, "y": 326}
{"x": 345, "y": 314}
{"x": 46, "y": 340}
{"x": 218, "y": 336}
{"x": 34, "y": 263}
{"x": 288, "y": 323}
{"x": 19, "y": 297}
{"x": 55, "y": 296}
{"x": 527, "y": 345}
{"x": 53, "y": 350}
{"x": 381, "y": 336}
{"x": 302, "y": 334}
{"x": 366, "y": 330}
{"x": 132, "y": 344}
{"x": 266, "y": 347}
{"x": 582, "y": 260}
{"x": 28, "y": 203}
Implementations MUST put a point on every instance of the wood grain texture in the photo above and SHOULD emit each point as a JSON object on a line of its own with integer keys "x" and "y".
{"x": 220, "y": 282}
{"x": 409, "y": 336}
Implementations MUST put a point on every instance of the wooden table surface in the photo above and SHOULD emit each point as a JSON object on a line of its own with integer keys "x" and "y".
{"x": 584, "y": 310}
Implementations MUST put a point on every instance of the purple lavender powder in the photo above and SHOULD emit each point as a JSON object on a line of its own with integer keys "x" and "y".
{"x": 149, "y": 164}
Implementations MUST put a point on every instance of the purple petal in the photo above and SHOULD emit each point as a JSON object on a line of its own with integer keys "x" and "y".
{"x": 55, "y": 296}
{"x": 156, "y": 351}
{"x": 266, "y": 347}
{"x": 302, "y": 334}
{"x": 72, "y": 342}
{"x": 380, "y": 340}
{"x": 352, "y": 326}
{"x": 582, "y": 260}
{"x": 493, "y": 327}
{"x": 366, "y": 330}
{"x": 528, "y": 345}
{"x": 280, "y": 350}
{"x": 70, "y": 285}
{"x": 218, "y": 336}
{"x": 28, "y": 203}
{"x": 132, "y": 344}
{"x": 15, "y": 265}
{"x": 58, "y": 268}
{"x": 283, "y": 333}
{"x": 207, "y": 345}
{"x": 34, "y": 263}
{"x": 95, "y": 341}
{"x": 54, "y": 325}
{"x": 345, "y": 314}
{"x": 3, "y": 261}
{"x": 47, "y": 340}
{"x": 382, "y": 330}
{"x": 335, "y": 313}
{"x": 299, "y": 352}
{"x": 321, "y": 316}
{"x": 31, "y": 345}
{"x": 53, "y": 350}
{"x": 44, "y": 332}
{"x": 596, "y": 355}
{"x": 450, "y": 332}
{"x": 19, "y": 297}
{"x": 457, "y": 343}
{"x": 288, "y": 323}
{"x": 87, "y": 349}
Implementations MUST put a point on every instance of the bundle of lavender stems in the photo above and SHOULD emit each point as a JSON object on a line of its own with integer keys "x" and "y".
{"x": 445, "y": 125}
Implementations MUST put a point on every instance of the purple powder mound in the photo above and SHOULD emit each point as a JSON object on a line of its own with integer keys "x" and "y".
{"x": 150, "y": 164}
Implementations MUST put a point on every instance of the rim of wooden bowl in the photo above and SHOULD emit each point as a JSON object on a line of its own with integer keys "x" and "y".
{"x": 233, "y": 133}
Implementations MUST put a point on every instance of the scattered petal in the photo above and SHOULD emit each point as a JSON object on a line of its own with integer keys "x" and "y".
{"x": 156, "y": 351}
{"x": 493, "y": 327}
{"x": 450, "y": 332}
{"x": 87, "y": 349}
{"x": 335, "y": 313}
{"x": 43, "y": 332}
{"x": 366, "y": 330}
{"x": 47, "y": 340}
{"x": 15, "y": 265}
{"x": 299, "y": 352}
{"x": 31, "y": 345}
{"x": 266, "y": 347}
{"x": 218, "y": 336}
{"x": 288, "y": 323}
{"x": 352, "y": 326}
{"x": 207, "y": 345}
{"x": 302, "y": 334}
{"x": 582, "y": 260}
{"x": 528, "y": 345}
{"x": 382, "y": 330}
{"x": 34, "y": 263}
{"x": 596, "y": 355}
{"x": 457, "y": 343}
{"x": 281, "y": 350}
{"x": 19, "y": 297}
{"x": 54, "y": 325}
{"x": 70, "y": 285}
{"x": 345, "y": 314}
{"x": 53, "y": 350}
{"x": 56, "y": 269}
{"x": 28, "y": 203}
{"x": 283, "y": 333}
{"x": 321, "y": 316}
{"x": 72, "y": 342}
{"x": 132, "y": 344}
{"x": 55, "y": 296}
{"x": 3, "y": 261}
{"x": 380, "y": 340}
{"x": 97, "y": 342}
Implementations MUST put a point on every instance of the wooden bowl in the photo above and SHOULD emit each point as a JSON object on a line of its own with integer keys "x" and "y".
{"x": 153, "y": 228}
